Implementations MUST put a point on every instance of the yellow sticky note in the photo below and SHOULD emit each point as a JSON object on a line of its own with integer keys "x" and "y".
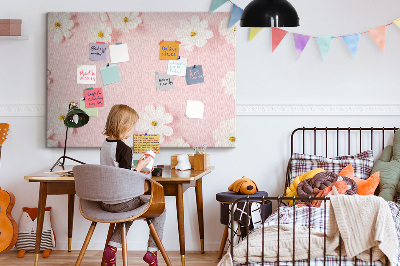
{"x": 144, "y": 143}
{"x": 169, "y": 50}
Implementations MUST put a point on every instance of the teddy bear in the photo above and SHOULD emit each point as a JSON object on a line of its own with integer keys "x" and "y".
{"x": 27, "y": 232}
{"x": 244, "y": 186}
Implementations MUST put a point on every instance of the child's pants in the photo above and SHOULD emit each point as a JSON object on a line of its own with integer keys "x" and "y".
{"x": 129, "y": 206}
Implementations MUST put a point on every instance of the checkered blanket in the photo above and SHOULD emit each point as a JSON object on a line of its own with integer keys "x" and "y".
{"x": 317, "y": 222}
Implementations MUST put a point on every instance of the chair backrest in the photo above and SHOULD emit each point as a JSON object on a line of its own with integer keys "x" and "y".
{"x": 107, "y": 183}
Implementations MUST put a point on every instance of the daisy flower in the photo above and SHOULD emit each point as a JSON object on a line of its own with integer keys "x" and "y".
{"x": 229, "y": 82}
{"x": 55, "y": 118}
{"x": 177, "y": 143}
{"x": 153, "y": 121}
{"x": 228, "y": 33}
{"x": 225, "y": 134}
{"x": 60, "y": 25}
{"x": 125, "y": 21}
{"x": 103, "y": 15}
{"x": 193, "y": 33}
{"x": 100, "y": 33}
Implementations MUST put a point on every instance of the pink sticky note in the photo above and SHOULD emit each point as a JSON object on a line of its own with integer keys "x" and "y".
{"x": 93, "y": 97}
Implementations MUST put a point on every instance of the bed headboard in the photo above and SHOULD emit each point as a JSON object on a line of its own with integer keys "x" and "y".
{"x": 331, "y": 142}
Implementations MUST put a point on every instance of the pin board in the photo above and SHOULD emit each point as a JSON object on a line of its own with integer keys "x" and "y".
{"x": 188, "y": 102}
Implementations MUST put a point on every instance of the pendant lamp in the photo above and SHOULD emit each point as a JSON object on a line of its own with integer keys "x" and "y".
{"x": 269, "y": 13}
{"x": 75, "y": 118}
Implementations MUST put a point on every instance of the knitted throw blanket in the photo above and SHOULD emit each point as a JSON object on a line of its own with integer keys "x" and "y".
{"x": 364, "y": 222}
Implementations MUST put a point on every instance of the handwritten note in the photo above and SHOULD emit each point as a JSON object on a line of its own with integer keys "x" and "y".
{"x": 92, "y": 112}
{"x": 143, "y": 143}
{"x": 110, "y": 74}
{"x": 119, "y": 53}
{"x": 164, "y": 82}
{"x": 194, "y": 75}
{"x": 98, "y": 51}
{"x": 86, "y": 74}
{"x": 177, "y": 67}
{"x": 169, "y": 50}
{"x": 93, "y": 97}
{"x": 194, "y": 109}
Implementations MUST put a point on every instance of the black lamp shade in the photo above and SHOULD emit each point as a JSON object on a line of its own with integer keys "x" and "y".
{"x": 269, "y": 13}
{"x": 76, "y": 118}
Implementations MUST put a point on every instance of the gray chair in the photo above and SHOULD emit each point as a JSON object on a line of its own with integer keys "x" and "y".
{"x": 97, "y": 183}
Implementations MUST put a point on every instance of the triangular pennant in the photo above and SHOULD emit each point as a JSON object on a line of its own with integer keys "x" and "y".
{"x": 379, "y": 35}
{"x": 352, "y": 42}
{"x": 277, "y": 36}
{"x": 235, "y": 15}
{"x": 397, "y": 22}
{"x": 216, "y": 4}
{"x": 324, "y": 44}
{"x": 254, "y": 32}
{"x": 300, "y": 42}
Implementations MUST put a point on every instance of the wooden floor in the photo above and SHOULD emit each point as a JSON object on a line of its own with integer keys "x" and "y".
{"x": 93, "y": 258}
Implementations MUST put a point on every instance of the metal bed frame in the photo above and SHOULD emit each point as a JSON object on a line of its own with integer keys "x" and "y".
{"x": 362, "y": 132}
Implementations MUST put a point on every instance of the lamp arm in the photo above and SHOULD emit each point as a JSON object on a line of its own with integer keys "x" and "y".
{"x": 65, "y": 145}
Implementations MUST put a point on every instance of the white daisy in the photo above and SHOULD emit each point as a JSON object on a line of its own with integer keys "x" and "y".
{"x": 50, "y": 142}
{"x": 153, "y": 121}
{"x": 229, "y": 82}
{"x": 177, "y": 143}
{"x": 60, "y": 25}
{"x": 193, "y": 33}
{"x": 225, "y": 134}
{"x": 228, "y": 33}
{"x": 100, "y": 33}
{"x": 103, "y": 15}
{"x": 55, "y": 118}
{"x": 125, "y": 21}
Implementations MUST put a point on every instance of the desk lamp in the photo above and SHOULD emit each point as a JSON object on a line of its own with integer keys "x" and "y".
{"x": 269, "y": 13}
{"x": 75, "y": 118}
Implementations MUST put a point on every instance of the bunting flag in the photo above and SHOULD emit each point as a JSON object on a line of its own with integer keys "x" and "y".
{"x": 324, "y": 44}
{"x": 277, "y": 36}
{"x": 379, "y": 35}
{"x": 300, "y": 42}
{"x": 235, "y": 15}
{"x": 254, "y": 32}
{"x": 217, "y": 3}
{"x": 352, "y": 42}
{"x": 397, "y": 22}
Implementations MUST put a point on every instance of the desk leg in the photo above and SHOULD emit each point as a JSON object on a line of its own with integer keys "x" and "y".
{"x": 199, "y": 201}
{"x": 40, "y": 219}
{"x": 71, "y": 201}
{"x": 181, "y": 225}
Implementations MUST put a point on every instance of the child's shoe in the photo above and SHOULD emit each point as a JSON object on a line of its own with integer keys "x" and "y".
{"x": 151, "y": 258}
{"x": 109, "y": 256}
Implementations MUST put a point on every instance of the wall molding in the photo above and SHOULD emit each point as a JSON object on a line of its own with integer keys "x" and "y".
{"x": 245, "y": 110}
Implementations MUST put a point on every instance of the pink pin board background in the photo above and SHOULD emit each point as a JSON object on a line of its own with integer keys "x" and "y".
{"x": 160, "y": 112}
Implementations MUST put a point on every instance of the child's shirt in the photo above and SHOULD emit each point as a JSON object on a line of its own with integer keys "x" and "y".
{"x": 116, "y": 153}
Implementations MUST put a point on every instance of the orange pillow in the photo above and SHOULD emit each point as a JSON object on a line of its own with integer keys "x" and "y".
{"x": 365, "y": 187}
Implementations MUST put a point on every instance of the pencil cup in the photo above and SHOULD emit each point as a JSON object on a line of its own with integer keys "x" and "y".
{"x": 201, "y": 161}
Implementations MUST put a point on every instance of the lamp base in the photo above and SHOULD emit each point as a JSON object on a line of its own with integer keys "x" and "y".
{"x": 62, "y": 164}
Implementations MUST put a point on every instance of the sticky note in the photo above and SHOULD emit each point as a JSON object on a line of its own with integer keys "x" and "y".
{"x": 93, "y": 97}
{"x": 143, "y": 143}
{"x": 110, "y": 74}
{"x": 86, "y": 74}
{"x": 177, "y": 67}
{"x": 98, "y": 51}
{"x": 164, "y": 82}
{"x": 194, "y": 75}
{"x": 194, "y": 109}
{"x": 169, "y": 50}
{"x": 119, "y": 53}
{"x": 92, "y": 112}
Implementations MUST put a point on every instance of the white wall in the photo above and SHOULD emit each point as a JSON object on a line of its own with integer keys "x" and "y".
{"x": 262, "y": 78}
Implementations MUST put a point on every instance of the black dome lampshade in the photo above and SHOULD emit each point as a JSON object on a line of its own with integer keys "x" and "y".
{"x": 76, "y": 118}
{"x": 269, "y": 13}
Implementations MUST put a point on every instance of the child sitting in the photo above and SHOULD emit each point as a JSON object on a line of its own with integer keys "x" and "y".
{"x": 114, "y": 152}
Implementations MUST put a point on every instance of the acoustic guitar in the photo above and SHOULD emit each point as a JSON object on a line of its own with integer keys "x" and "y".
{"x": 3, "y": 135}
{"x": 8, "y": 226}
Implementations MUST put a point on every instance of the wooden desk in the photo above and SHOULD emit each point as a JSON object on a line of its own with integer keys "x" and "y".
{"x": 175, "y": 183}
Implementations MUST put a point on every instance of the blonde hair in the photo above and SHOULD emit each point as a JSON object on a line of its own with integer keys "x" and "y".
{"x": 120, "y": 120}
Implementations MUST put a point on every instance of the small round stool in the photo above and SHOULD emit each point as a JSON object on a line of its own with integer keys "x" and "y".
{"x": 226, "y": 199}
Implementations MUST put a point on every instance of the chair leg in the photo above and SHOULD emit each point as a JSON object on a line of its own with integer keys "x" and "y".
{"x": 160, "y": 246}
{"x": 124, "y": 248}
{"x": 223, "y": 242}
{"x": 110, "y": 232}
{"x": 86, "y": 243}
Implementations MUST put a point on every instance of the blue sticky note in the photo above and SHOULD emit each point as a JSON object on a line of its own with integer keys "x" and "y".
{"x": 110, "y": 74}
{"x": 194, "y": 75}
{"x": 98, "y": 51}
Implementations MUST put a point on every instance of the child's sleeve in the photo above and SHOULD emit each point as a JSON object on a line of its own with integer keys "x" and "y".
{"x": 124, "y": 156}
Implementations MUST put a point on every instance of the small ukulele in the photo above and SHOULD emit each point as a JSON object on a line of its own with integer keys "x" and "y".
{"x": 8, "y": 226}
{"x": 3, "y": 135}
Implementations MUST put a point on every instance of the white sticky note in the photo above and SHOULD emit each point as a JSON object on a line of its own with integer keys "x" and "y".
{"x": 92, "y": 112}
{"x": 86, "y": 74}
{"x": 177, "y": 67}
{"x": 194, "y": 109}
{"x": 119, "y": 53}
